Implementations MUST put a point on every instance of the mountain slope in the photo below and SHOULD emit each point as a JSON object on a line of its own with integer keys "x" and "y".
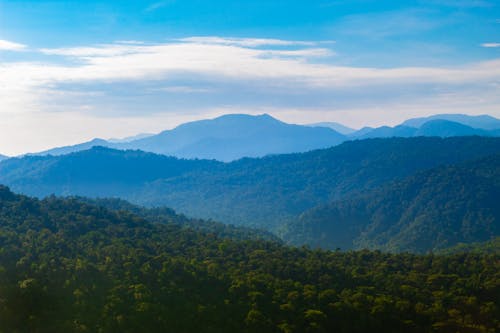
{"x": 265, "y": 192}
{"x": 99, "y": 171}
{"x": 436, "y": 127}
{"x": 234, "y": 136}
{"x": 385, "y": 132}
{"x": 431, "y": 210}
{"x": 74, "y": 148}
{"x": 335, "y": 126}
{"x": 225, "y": 138}
{"x": 446, "y": 128}
{"x": 66, "y": 266}
{"x": 484, "y": 122}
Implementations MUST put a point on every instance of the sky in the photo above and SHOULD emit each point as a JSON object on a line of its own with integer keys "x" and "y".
{"x": 71, "y": 71}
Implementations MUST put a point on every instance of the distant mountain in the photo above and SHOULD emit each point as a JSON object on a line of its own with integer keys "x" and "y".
{"x": 446, "y": 128}
{"x": 263, "y": 192}
{"x": 431, "y": 210}
{"x": 482, "y": 122}
{"x": 130, "y": 138}
{"x": 234, "y": 136}
{"x": 438, "y": 127}
{"x": 384, "y": 132}
{"x": 335, "y": 126}
{"x": 74, "y": 148}
{"x": 99, "y": 171}
{"x": 225, "y": 138}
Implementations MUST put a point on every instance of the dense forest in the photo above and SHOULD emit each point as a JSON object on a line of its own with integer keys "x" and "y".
{"x": 71, "y": 266}
{"x": 264, "y": 192}
{"x": 428, "y": 211}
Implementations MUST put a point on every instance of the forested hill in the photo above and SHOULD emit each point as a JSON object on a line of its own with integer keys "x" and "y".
{"x": 429, "y": 211}
{"x": 96, "y": 172}
{"x": 67, "y": 266}
{"x": 264, "y": 192}
{"x": 168, "y": 215}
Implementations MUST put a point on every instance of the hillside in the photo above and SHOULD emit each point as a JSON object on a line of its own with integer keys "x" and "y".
{"x": 165, "y": 215}
{"x": 67, "y": 266}
{"x": 264, "y": 192}
{"x": 484, "y": 122}
{"x": 435, "y": 127}
{"x": 97, "y": 172}
{"x": 429, "y": 211}
{"x": 335, "y": 126}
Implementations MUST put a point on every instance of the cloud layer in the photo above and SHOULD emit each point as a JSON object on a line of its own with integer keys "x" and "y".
{"x": 202, "y": 76}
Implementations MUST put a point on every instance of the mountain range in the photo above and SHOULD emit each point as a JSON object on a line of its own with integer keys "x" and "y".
{"x": 224, "y": 138}
{"x": 235, "y": 136}
{"x": 432, "y": 209}
{"x": 271, "y": 193}
{"x": 74, "y": 266}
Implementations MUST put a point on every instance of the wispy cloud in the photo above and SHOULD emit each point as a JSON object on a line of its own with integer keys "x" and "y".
{"x": 6, "y": 45}
{"x": 115, "y": 62}
{"x": 245, "y": 42}
{"x": 158, "y": 4}
{"x": 490, "y": 45}
{"x": 197, "y": 76}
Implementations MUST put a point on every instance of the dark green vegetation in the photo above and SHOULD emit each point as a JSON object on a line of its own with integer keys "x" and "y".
{"x": 166, "y": 215}
{"x": 68, "y": 266}
{"x": 272, "y": 192}
{"x": 430, "y": 210}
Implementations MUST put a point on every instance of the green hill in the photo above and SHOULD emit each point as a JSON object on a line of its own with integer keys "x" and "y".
{"x": 68, "y": 266}
{"x": 430, "y": 210}
{"x": 264, "y": 192}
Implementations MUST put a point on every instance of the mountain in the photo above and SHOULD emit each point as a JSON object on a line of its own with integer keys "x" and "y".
{"x": 98, "y": 171}
{"x": 74, "y": 148}
{"x": 446, "y": 128}
{"x": 260, "y": 192}
{"x": 384, "y": 132}
{"x": 335, "y": 126}
{"x": 225, "y": 138}
{"x": 166, "y": 215}
{"x": 234, "y": 136}
{"x": 69, "y": 266}
{"x": 484, "y": 122}
{"x": 437, "y": 127}
{"x": 428, "y": 211}
{"x": 131, "y": 138}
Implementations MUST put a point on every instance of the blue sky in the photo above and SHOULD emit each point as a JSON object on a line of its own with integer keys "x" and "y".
{"x": 74, "y": 70}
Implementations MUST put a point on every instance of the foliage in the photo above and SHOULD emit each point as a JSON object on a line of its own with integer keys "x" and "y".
{"x": 429, "y": 211}
{"x": 266, "y": 192}
{"x": 68, "y": 266}
{"x": 167, "y": 215}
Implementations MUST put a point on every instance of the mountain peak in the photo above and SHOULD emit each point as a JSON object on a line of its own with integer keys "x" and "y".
{"x": 484, "y": 122}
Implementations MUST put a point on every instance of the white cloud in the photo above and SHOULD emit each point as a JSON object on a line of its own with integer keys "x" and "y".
{"x": 247, "y": 42}
{"x": 122, "y": 62}
{"x": 490, "y": 45}
{"x": 6, "y": 45}
{"x": 276, "y": 76}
